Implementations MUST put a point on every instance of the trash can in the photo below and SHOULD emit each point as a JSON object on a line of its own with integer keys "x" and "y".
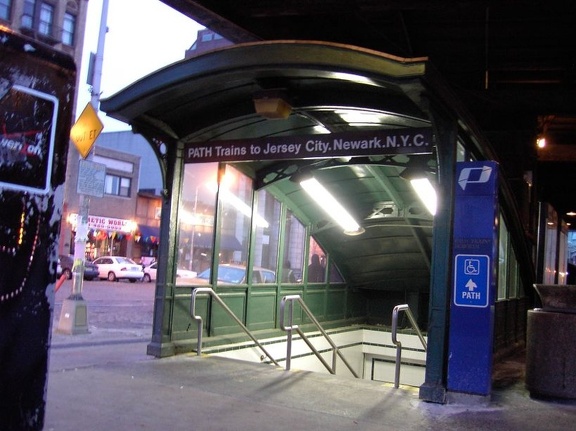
{"x": 551, "y": 343}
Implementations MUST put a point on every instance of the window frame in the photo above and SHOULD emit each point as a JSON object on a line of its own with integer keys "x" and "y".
{"x": 116, "y": 186}
{"x": 6, "y": 5}
{"x": 70, "y": 19}
{"x": 46, "y": 13}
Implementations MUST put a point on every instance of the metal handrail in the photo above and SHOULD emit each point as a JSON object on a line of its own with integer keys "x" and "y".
{"x": 395, "y": 312}
{"x": 335, "y": 351}
{"x": 198, "y": 319}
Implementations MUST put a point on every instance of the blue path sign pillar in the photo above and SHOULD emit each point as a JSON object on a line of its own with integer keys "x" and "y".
{"x": 475, "y": 248}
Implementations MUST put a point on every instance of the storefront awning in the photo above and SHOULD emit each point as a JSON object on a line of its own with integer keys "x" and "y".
{"x": 149, "y": 234}
{"x": 227, "y": 242}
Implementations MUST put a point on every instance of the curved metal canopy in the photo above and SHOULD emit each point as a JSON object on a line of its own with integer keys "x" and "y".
{"x": 211, "y": 96}
{"x": 330, "y": 88}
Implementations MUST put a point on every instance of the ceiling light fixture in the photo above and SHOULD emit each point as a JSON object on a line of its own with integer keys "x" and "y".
{"x": 358, "y": 118}
{"x": 426, "y": 192}
{"x": 416, "y": 173}
{"x": 272, "y": 104}
{"x": 328, "y": 203}
{"x": 319, "y": 128}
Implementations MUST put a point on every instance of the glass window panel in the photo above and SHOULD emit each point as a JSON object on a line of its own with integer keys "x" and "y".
{"x": 503, "y": 260}
{"x": 196, "y": 216}
{"x": 562, "y": 257}
{"x": 514, "y": 276}
{"x": 460, "y": 153}
{"x": 267, "y": 229}
{"x": 118, "y": 186}
{"x": 294, "y": 246}
{"x": 5, "y": 6}
{"x": 69, "y": 29}
{"x": 334, "y": 273}
{"x": 111, "y": 185}
{"x": 235, "y": 199}
{"x": 124, "y": 187}
{"x": 316, "y": 263}
{"x": 572, "y": 247}
{"x": 550, "y": 245}
{"x": 28, "y": 15}
{"x": 46, "y": 19}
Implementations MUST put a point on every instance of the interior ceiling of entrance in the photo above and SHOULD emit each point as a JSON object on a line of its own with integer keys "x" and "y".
{"x": 511, "y": 62}
{"x": 394, "y": 251}
{"x": 211, "y": 98}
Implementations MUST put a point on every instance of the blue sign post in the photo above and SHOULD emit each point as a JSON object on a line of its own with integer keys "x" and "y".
{"x": 475, "y": 247}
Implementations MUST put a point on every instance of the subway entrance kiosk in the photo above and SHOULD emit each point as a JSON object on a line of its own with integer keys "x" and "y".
{"x": 208, "y": 110}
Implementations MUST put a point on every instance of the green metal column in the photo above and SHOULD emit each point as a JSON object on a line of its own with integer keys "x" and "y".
{"x": 434, "y": 387}
{"x": 161, "y": 344}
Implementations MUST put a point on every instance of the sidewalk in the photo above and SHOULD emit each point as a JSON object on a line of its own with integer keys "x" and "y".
{"x": 104, "y": 381}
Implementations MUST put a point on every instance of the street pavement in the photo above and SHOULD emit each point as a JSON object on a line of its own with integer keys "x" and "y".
{"x": 104, "y": 381}
{"x": 119, "y": 323}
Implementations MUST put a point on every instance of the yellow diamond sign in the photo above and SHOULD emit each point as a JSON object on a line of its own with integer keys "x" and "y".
{"x": 86, "y": 129}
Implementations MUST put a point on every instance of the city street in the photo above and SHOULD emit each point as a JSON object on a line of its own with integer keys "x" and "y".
{"x": 119, "y": 314}
{"x": 119, "y": 305}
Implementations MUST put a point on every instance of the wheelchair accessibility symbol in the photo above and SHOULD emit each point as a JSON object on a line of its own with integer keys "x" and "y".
{"x": 472, "y": 267}
{"x": 471, "y": 280}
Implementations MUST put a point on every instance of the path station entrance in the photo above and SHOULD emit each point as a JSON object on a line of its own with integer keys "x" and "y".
{"x": 291, "y": 168}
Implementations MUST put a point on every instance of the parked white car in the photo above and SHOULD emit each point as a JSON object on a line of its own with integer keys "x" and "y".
{"x": 115, "y": 268}
{"x": 229, "y": 274}
{"x": 150, "y": 273}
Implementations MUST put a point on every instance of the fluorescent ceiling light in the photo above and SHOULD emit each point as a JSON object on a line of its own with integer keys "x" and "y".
{"x": 358, "y": 79}
{"x": 356, "y": 117}
{"x": 426, "y": 193}
{"x": 330, "y": 205}
{"x": 321, "y": 129}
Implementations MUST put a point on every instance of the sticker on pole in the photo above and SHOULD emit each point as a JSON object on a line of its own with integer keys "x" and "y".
{"x": 471, "y": 280}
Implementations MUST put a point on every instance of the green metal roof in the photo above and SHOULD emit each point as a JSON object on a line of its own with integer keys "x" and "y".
{"x": 210, "y": 97}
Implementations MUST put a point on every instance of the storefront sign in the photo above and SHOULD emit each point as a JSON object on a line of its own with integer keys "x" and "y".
{"x": 27, "y": 131}
{"x": 106, "y": 223}
{"x": 475, "y": 251}
{"x": 399, "y": 141}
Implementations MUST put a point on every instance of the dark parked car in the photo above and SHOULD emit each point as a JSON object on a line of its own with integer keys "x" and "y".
{"x": 66, "y": 263}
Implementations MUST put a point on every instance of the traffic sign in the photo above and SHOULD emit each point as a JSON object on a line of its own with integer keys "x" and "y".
{"x": 86, "y": 129}
{"x": 91, "y": 178}
{"x": 471, "y": 280}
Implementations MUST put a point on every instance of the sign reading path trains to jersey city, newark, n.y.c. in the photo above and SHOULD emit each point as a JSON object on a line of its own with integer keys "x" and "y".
{"x": 385, "y": 142}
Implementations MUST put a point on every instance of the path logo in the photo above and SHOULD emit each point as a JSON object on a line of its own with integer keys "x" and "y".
{"x": 474, "y": 176}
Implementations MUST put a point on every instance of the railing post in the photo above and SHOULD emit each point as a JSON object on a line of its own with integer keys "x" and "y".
{"x": 216, "y": 298}
{"x": 289, "y": 336}
{"x": 288, "y": 329}
{"x": 398, "y": 344}
{"x": 395, "y": 312}
{"x": 306, "y": 310}
{"x": 198, "y": 318}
